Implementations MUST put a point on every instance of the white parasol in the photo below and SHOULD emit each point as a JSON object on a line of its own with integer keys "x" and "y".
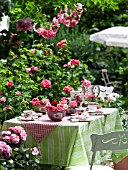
{"x": 114, "y": 36}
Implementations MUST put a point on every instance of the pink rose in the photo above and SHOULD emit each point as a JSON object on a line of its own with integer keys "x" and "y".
{"x": 61, "y": 107}
{"x": 7, "y": 108}
{"x": 67, "y": 89}
{"x": 73, "y": 104}
{"x": 50, "y": 108}
{"x": 2, "y": 100}
{"x": 6, "y": 133}
{"x": 23, "y": 136}
{"x": 5, "y": 150}
{"x": 36, "y": 102}
{"x": 10, "y": 83}
{"x": 17, "y": 129}
{"x": 35, "y": 151}
{"x": 18, "y": 93}
{"x": 75, "y": 62}
{"x": 45, "y": 101}
{"x": 86, "y": 82}
{"x": 61, "y": 43}
{"x": 15, "y": 138}
{"x": 8, "y": 151}
{"x": 63, "y": 102}
{"x": 45, "y": 83}
{"x": 7, "y": 139}
{"x": 35, "y": 68}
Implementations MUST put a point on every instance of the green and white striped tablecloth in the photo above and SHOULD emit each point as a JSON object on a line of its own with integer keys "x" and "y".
{"x": 70, "y": 144}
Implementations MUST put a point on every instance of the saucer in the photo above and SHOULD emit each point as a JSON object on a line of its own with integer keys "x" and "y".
{"x": 24, "y": 119}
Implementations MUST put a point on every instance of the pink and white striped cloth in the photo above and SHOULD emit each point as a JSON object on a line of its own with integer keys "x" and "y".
{"x": 40, "y": 128}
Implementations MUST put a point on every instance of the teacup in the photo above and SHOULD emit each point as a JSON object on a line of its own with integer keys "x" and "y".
{"x": 27, "y": 114}
{"x": 92, "y": 106}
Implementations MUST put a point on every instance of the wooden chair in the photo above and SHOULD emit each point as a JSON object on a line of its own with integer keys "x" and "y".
{"x": 110, "y": 141}
{"x": 106, "y": 79}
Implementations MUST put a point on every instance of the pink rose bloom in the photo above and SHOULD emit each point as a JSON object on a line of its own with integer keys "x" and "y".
{"x": 7, "y": 139}
{"x": 63, "y": 102}
{"x": 50, "y": 108}
{"x": 28, "y": 70}
{"x": 18, "y": 93}
{"x": 23, "y": 136}
{"x": 67, "y": 89}
{"x": 15, "y": 138}
{"x": 64, "y": 98}
{"x": 61, "y": 107}
{"x": 6, "y": 133}
{"x": 35, "y": 151}
{"x": 17, "y": 129}
{"x": 7, "y": 108}
{"x": 8, "y": 151}
{"x": 61, "y": 43}
{"x": 75, "y": 62}
{"x": 24, "y": 25}
{"x": 86, "y": 82}
{"x": 2, "y": 100}
{"x": 45, "y": 101}
{"x": 35, "y": 68}
{"x": 45, "y": 83}
{"x": 73, "y": 104}
{"x": 10, "y": 128}
{"x": 10, "y": 83}
{"x": 36, "y": 102}
{"x": 5, "y": 149}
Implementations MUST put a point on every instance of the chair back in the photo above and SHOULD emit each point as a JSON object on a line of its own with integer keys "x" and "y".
{"x": 117, "y": 140}
{"x": 103, "y": 91}
{"x": 105, "y": 77}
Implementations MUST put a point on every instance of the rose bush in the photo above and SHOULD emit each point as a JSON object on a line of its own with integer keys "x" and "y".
{"x": 14, "y": 153}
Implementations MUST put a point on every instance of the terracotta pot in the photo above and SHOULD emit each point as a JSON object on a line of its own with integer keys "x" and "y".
{"x": 122, "y": 165}
{"x": 56, "y": 116}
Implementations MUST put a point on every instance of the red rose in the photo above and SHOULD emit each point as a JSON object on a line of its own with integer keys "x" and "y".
{"x": 54, "y": 103}
{"x": 10, "y": 83}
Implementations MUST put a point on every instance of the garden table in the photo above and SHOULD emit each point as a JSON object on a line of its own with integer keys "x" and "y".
{"x": 69, "y": 143}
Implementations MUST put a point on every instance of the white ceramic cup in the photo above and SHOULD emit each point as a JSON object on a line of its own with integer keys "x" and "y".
{"x": 92, "y": 106}
{"x": 27, "y": 114}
